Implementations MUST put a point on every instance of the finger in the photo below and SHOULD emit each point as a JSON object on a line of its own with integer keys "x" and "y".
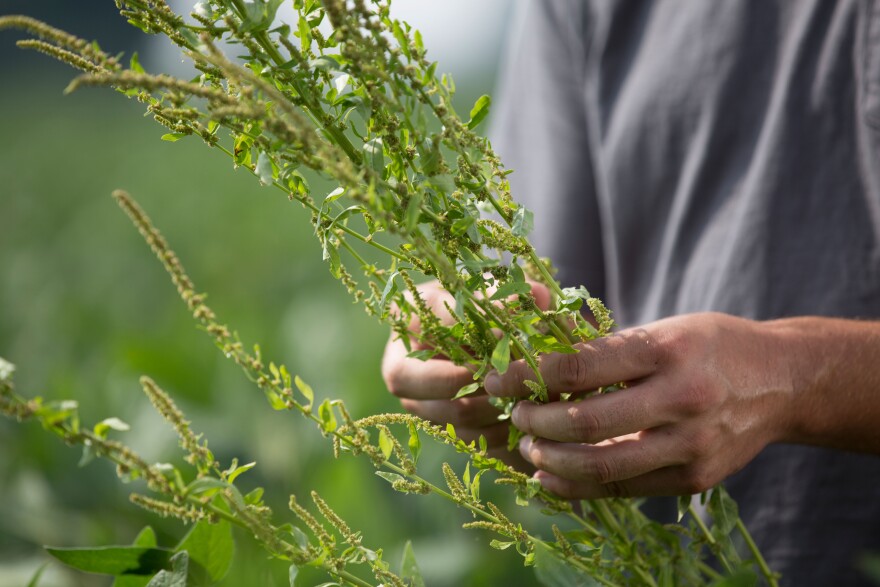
{"x": 599, "y": 417}
{"x": 626, "y": 356}
{"x": 670, "y": 481}
{"x": 541, "y": 294}
{"x": 416, "y": 379}
{"x": 618, "y": 459}
{"x": 469, "y": 412}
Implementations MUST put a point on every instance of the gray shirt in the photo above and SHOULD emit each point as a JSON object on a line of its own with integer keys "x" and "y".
{"x": 684, "y": 156}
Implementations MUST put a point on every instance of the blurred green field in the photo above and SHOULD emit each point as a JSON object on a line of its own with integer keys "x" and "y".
{"x": 85, "y": 310}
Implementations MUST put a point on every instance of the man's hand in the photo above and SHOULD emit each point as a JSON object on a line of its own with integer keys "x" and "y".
{"x": 705, "y": 393}
{"x": 426, "y": 388}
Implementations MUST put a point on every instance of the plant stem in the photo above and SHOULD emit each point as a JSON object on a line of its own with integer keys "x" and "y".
{"x": 756, "y": 552}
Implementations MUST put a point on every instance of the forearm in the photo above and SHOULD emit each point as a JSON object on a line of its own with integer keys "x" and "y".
{"x": 835, "y": 374}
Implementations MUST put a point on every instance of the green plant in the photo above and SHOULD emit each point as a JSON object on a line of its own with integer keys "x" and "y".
{"x": 419, "y": 194}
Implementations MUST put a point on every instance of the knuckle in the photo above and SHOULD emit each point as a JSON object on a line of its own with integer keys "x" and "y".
{"x": 697, "y": 479}
{"x": 696, "y": 396}
{"x": 571, "y": 371}
{"x": 585, "y": 425}
{"x": 699, "y": 443}
{"x": 604, "y": 470}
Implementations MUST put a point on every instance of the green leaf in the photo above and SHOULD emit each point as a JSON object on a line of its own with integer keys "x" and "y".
{"x": 414, "y": 443}
{"x": 374, "y": 155}
{"x": 264, "y": 169}
{"x": 326, "y": 63}
{"x": 423, "y": 354}
{"x": 114, "y": 560}
{"x": 334, "y": 195}
{"x": 238, "y": 471}
{"x": 467, "y": 390}
{"x": 305, "y": 34}
{"x": 328, "y": 418}
{"x": 523, "y": 222}
{"x": 291, "y": 574}
{"x": 497, "y": 544}
{"x": 479, "y": 111}
{"x": 211, "y": 546}
{"x": 173, "y": 137}
{"x": 176, "y": 577}
{"x": 547, "y": 343}
{"x": 305, "y": 389}
{"x": 684, "y": 502}
{"x": 413, "y": 209}
{"x": 552, "y": 571}
{"x": 511, "y": 288}
{"x": 501, "y": 354}
{"x": 389, "y": 291}
{"x": 135, "y": 63}
{"x": 409, "y": 568}
{"x": 723, "y": 510}
{"x": 104, "y": 426}
{"x": 146, "y": 537}
{"x": 385, "y": 444}
{"x": 450, "y": 430}
{"x": 204, "y": 485}
{"x": 390, "y": 477}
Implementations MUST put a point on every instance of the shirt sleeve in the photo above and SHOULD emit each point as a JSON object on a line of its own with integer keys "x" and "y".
{"x": 539, "y": 128}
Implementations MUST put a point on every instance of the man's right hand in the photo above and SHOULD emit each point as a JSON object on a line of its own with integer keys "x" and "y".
{"x": 426, "y": 388}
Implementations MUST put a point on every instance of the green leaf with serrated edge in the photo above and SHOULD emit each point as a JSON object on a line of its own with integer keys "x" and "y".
{"x": 409, "y": 568}
{"x": 390, "y": 477}
{"x": 239, "y": 470}
{"x": 328, "y": 418}
{"x": 501, "y": 354}
{"x": 467, "y": 390}
{"x": 684, "y": 502}
{"x": 414, "y": 443}
{"x": 305, "y": 389}
{"x": 114, "y": 560}
{"x": 264, "y": 169}
{"x": 511, "y": 288}
{"x": 176, "y": 577}
{"x": 211, "y": 546}
{"x": 172, "y": 137}
{"x": 552, "y": 571}
{"x": 723, "y": 510}
{"x": 385, "y": 444}
{"x": 479, "y": 111}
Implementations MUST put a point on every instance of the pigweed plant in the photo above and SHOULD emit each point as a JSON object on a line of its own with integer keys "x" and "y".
{"x": 348, "y": 92}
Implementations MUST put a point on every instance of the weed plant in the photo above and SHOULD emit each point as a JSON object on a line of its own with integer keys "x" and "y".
{"x": 348, "y": 92}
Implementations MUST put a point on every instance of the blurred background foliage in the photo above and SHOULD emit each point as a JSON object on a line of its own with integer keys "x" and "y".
{"x": 85, "y": 310}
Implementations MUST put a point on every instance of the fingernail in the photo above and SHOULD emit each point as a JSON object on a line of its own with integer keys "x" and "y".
{"x": 492, "y": 384}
